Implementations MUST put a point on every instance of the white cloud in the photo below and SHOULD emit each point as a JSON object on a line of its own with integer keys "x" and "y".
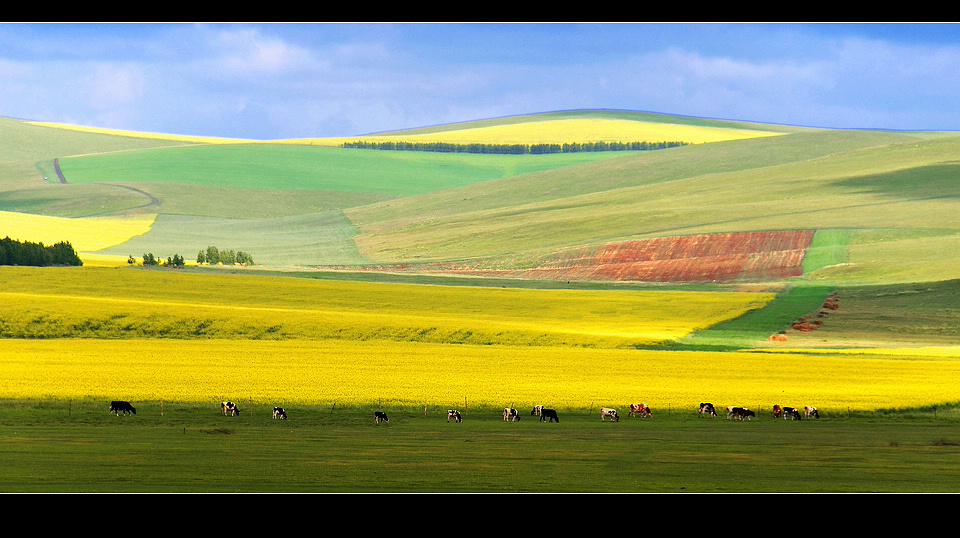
{"x": 248, "y": 52}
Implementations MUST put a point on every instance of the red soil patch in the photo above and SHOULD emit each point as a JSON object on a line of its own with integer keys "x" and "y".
{"x": 687, "y": 258}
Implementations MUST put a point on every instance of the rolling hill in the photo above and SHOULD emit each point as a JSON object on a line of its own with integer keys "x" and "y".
{"x": 881, "y": 204}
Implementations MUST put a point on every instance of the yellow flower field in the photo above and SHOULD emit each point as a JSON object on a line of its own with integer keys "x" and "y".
{"x": 123, "y": 302}
{"x": 441, "y": 374}
{"x": 556, "y": 131}
{"x": 566, "y": 130}
{"x": 86, "y": 234}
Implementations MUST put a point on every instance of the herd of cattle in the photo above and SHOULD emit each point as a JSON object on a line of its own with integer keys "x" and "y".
{"x": 742, "y": 413}
{"x": 546, "y": 415}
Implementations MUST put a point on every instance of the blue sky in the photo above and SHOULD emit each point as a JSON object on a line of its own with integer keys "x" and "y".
{"x": 298, "y": 80}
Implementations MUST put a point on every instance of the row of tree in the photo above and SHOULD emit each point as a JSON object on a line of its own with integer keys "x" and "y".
{"x": 14, "y": 252}
{"x": 514, "y": 149}
{"x": 213, "y": 256}
{"x": 150, "y": 259}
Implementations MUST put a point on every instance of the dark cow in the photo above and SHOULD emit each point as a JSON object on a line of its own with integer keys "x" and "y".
{"x": 453, "y": 413}
{"x": 810, "y": 411}
{"x": 549, "y": 414}
{"x": 741, "y": 413}
{"x": 537, "y": 410}
{"x": 117, "y": 406}
{"x": 707, "y": 408}
{"x": 380, "y": 416}
{"x": 279, "y": 412}
{"x": 641, "y": 409}
{"x": 777, "y": 411}
{"x": 791, "y": 412}
{"x": 229, "y": 407}
{"x": 510, "y": 414}
{"x": 608, "y": 412}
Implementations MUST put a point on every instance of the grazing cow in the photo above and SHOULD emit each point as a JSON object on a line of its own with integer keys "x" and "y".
{"x": 279, "y": 412}
{"x": 791, "y": 412}
{"x": 741, "y": 413}
{"x": 380, "y": 416}
{"x": 810, "y": 411}
{"x": 777, "y": 411}
{"x": 454, "y": 414}
{"x": 537, "y": 410}
{"x": 707, "y": 408}
{"x": 549, "y": 414}
{"x": 230, "y": 407}
{"x": 608, "y": 412}
{"x": 640, "y": 408}
{"x": 117, "y": 406}
{"x": 511, "y": 414}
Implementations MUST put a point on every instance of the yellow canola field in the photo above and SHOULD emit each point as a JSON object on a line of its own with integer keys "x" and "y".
{"x": 306, "y": 372}
{"x": 133, "y": 302}
{"x": 86, "y": 234}
{"x": 557, "y": 131}
{"x": 562, "y": 131}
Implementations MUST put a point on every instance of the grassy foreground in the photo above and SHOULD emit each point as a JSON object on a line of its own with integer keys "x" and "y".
{"x": 79, "y": 447}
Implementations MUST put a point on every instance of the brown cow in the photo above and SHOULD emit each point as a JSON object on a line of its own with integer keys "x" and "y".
{"x": 640, "y": 409}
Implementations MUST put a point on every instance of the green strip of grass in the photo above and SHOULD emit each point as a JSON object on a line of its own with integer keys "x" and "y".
{"x": 287, "y": 166}
{"x": 746, "y": 330}
{"x": 80, "y": 447}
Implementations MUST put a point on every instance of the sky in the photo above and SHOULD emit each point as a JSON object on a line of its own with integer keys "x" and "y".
{"x": 278, "y": 80}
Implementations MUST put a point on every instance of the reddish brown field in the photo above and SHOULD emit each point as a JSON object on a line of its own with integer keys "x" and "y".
{"x": 715, "y": 257}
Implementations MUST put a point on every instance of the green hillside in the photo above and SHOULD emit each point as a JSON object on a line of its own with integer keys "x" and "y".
{"x": 285, "y": 167}
{"x": 863, "y": 182}
{"x": 883, "y": 202}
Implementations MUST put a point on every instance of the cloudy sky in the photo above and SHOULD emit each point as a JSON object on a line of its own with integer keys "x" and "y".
{"x": 298, "y": 80}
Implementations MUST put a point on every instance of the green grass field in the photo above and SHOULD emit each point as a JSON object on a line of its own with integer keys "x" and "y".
{"x": 181, "y": 448}
{"x": 287, "y": 166}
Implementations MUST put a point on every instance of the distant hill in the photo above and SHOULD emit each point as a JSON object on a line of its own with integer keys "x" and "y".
{"x": 881, "y": 205}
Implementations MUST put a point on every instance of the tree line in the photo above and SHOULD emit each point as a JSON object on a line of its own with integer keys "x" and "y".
{"x": 14, "y": 252}
{"x": 150, "y": 259}
{"x": 212, "y": 255}
{"x": 514, "y": 149}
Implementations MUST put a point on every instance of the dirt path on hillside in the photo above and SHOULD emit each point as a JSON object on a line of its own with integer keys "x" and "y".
{"x": 56, "y": 166}
{"x": 153, "y": 200}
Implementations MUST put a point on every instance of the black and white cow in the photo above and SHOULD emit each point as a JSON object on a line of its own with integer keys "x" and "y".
{"x": 453, "y": 413}
{"x": 609, "y": 412}
{"x": 741, "y": 413}
{"x": 279, "y": 412}
{"x": 810, "y": 411}
{"x": 229, "y": 407}
{"x": 380, "y": 416}
{"x": 117, "y": 406}
{"x": 549, "y": 414}
{"x": 510, "y": 414}
{"x": 708, "y": 409}
{"x": 791, "y": 412}
{"x": 537, "y": 410}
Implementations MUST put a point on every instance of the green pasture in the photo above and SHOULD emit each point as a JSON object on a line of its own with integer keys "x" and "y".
{"x": 892, "y": 315}
{"x": 292, "y": 166}
{"x": 755, "y": 326}
{"x": 883, "y": 201}
{"x": 820, "y": 191}
{"x": 171, "y": 447}
{"x": 23, "y": 142}
{"x": 308, "y": 239}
